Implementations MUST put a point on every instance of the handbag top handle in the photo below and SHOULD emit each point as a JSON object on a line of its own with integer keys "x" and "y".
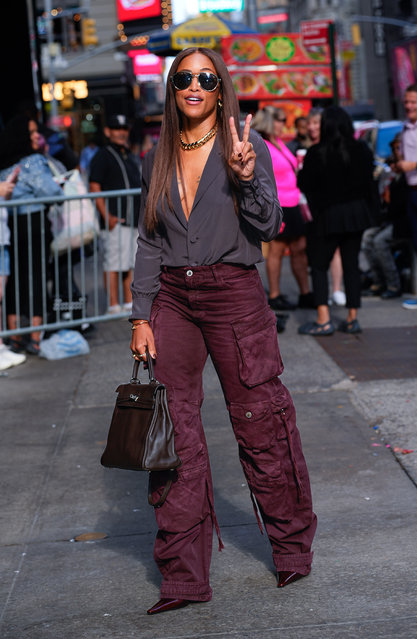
{"x": 134, "y": 379}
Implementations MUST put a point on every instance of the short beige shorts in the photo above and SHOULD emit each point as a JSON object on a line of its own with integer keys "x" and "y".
{"x": 119, "y": 246}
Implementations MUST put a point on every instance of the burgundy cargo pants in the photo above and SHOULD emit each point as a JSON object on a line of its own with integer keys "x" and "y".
{"x": 221, "y": 310}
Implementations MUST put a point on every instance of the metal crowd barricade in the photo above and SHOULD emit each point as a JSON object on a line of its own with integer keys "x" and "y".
{"x": 62, "y": 306}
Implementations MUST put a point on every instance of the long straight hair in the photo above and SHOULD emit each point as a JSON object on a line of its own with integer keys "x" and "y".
{"x": 336, "y": 135}
{"x": 15, "y": 142}
{"x": 167, "y": 153}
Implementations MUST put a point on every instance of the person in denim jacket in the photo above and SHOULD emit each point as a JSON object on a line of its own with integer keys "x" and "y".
{"x": 29, "y": 226}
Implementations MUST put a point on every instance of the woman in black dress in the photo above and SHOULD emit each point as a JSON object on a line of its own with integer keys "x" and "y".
{"x": 337, "y": 178}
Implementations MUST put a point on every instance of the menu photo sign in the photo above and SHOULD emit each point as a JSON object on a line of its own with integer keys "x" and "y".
{"x": 283, "y": 48}
{"x": 282, "y": 82}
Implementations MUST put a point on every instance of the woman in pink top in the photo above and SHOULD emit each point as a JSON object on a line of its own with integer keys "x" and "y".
{"x": 269, "y": 122}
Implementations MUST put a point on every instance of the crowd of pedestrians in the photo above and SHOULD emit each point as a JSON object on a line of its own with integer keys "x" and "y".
{"x": 353, "y": 221}
{"x": 32, "y": 166}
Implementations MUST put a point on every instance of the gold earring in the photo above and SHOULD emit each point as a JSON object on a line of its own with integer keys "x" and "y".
{"x": 219, "y": 103}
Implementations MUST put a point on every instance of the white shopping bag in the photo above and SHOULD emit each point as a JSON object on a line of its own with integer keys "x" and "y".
{"x": 74, "y": 223}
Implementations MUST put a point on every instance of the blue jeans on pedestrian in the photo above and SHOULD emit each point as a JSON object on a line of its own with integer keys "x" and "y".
{"x": 412, "y": 214}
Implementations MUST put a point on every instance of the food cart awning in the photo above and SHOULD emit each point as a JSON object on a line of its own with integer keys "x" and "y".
{"x": 202, "y": 31}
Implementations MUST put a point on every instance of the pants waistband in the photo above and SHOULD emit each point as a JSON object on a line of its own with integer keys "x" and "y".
{"x": 207, "y": 277}
{"x": 219, "y": 267}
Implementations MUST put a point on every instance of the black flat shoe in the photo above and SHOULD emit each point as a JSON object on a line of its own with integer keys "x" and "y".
{"x": 281, "y": 303}
{"x": 316, "y": 329}
{"x": 281, "y": 321}
{"x": 390, "y": 293}
{"x": 33, "y": 347}
{"x": 17, "y": 345}
{"x": 163, "y": 605}
{"x": 352, "y": 327}
{"x": 286, "y": 577}
{"x": 372, "y": 291}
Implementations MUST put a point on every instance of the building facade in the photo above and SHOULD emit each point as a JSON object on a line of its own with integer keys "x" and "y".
{"x": 367, "y": 30}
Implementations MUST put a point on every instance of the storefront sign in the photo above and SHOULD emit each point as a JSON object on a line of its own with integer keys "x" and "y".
{"x": 78, "y": 87}
{"x": 265, "y": 49}
{"x": 145, "y": 63}
{"x": 282, "y": 82}
{"x": 404, "y": 66}
{"x": 137, "y": 9}
{"x": 315, "y": 33}
{"x": 216, "y": 6}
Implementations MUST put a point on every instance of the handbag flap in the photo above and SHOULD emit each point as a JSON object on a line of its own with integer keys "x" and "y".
{"x": 137, "y": 395}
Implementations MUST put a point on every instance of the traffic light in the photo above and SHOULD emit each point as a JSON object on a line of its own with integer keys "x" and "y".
{"x": 88, "y": 32}
{"x": 356, "y": 34}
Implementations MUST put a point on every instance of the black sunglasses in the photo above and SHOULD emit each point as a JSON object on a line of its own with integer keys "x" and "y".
{"x": 207, "y": 81}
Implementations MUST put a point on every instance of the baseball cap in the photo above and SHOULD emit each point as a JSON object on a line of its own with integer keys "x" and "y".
{"x": 118, "y": 122}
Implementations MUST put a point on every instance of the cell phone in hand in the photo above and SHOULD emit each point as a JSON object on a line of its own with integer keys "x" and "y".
{"x": 13, "y": 175}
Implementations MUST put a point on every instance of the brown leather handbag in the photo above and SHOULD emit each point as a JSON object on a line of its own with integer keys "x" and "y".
{"x": 141, "y": 434}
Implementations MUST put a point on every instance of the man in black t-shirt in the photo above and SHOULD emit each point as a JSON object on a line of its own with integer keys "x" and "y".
{"x": 112, "y": 168}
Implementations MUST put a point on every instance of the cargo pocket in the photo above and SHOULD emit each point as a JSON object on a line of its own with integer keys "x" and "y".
{"x": 260, "y": 455}
{"x": 285, "y": 421}
{"x": 187, "y": 502}
{"x": 259, "y": 359}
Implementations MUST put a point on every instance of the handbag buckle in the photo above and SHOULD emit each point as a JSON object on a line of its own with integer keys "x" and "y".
{"x": 134, "y": 397}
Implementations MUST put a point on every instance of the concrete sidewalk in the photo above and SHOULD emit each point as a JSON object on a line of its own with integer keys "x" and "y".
{"x": 54, "y": 422}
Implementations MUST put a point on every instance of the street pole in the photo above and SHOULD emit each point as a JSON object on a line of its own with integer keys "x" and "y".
{"x": 333, "y": 63}
{"x": 51, "y": 52}
{"x": 33, "y": 56}
{"x": 251, "y": 12}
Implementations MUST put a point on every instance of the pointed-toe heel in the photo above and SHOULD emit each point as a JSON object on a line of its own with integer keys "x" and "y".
{"x": 286, "y": 577}
{"x": 163, "y": 605}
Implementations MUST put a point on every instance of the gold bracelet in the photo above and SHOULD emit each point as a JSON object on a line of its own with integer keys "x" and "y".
{"x": 134, "y": 326}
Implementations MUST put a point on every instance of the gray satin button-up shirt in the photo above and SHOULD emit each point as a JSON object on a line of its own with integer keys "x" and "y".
{"x": 214, "y": 232}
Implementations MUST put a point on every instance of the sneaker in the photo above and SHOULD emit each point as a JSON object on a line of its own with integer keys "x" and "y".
{"x": 339, "y": 298}
{"x": 9, "y": 359}
{"x": 127, "y": 306}
{"x": 114, "y": 310}
{"x": 410, "y": 304}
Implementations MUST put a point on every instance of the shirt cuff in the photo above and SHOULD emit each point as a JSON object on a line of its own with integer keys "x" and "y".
{"x": 249, "y": 186}
{"x": 141, "y": 307}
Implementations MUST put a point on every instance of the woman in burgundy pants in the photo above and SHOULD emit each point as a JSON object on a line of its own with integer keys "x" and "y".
{"x": 208, "y": 201}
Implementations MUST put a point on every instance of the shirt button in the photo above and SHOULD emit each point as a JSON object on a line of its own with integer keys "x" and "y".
{"x": 248, "y": 414}
{"x": 189, "y": 273}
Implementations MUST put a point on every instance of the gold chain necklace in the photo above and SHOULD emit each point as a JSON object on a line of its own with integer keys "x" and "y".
{"x": 195, "y": 145}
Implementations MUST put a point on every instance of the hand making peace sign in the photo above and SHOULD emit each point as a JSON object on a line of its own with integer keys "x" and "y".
{"x": 242, "y": 160}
